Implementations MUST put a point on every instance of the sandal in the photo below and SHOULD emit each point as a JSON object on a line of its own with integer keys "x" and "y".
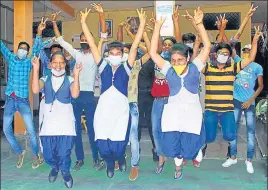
{"x": 35, "y": 163}
{"x": 40, "y": 158}
{"x": 160, "y": 168}
{"x": 196, "y": 163}
{"x": 184, "y": 162}
{"x": 20, "y": 161}
{"x": 176, "y": 174}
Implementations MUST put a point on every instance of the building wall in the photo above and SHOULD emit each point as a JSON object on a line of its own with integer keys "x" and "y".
{"x": 74, "y": 27}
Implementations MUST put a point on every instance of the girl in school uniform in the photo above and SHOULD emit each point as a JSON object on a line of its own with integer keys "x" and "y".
{"x": 58, "y": 128}
{"x": 111, "y": 120}
{"x": 183, "y": 132}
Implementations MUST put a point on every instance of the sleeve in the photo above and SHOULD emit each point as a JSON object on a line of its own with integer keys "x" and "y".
{"x": 237, "y": 59}
{"x": 44, "y": 59}
{"x": 8, "y": 55}
{"x": 44, "y": 78}
{"x": 137, "y": 65}
{"x": 104, "y": 35}
{"x": 237, "y": 68}
{"x": 259, "y": 70}
{"x": 37, "y": 46}
{"x": 68, "y": 47}
{"x": 198, "y": 63}
{"x": 166, "y": 68}
{"x": 101, "y": 65}
{"x": 46, "y": 43}
{"x": 127, "y": 67}
{"x": 71, "y": 79}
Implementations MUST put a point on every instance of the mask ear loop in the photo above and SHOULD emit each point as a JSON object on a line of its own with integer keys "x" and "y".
{"x": 188, "y": 57}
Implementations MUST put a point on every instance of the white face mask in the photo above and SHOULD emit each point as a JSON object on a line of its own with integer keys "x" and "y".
{"x": 22, "y": 53}
{"x": 190, "y": 45}
{"x": 58, "y": 73}
{"x": 114, "y": 60}
{"x": 222, "y": 59}
{"x": 125, "y": 57}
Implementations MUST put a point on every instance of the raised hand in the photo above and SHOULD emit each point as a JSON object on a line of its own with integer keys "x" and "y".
{"x": 125, "y": 22}
{"x": 152, "y": 20}
{"x": 198, "y": 16}
{"x": 258, "y": 33}
{"x": 159, "y": 23}
{"x": 252, "y": 10}
{"x": 218, "y": 23}
{"x": 188, "y": 16}
{"x": 176, "y": 14}
{"x": 149, "y": 29}
{"x": 35, "y": 62}
{"x": 42, "y": 24}
{"x": 142, "y": 16}
{"x": 83, "y": 15}
{"x": 98, "y": 7}
{"x": 77, "y": 69}
{"x": 54, "y": 16}
{"x": 127, "y": 27}
{"x": 223, "y": 21}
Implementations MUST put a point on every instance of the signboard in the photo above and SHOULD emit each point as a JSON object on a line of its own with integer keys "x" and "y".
{"x": 164, "y": 9}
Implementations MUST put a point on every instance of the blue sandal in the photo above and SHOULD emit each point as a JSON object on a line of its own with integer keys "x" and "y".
{"x": 176, "y": 174}
{"x": 160, "y": 169}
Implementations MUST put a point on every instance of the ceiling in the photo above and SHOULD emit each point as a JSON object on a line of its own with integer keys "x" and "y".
{"x": 44, "y": 6}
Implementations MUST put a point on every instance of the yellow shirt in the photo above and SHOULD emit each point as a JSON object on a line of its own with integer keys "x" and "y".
{"x": 220, "y": 86}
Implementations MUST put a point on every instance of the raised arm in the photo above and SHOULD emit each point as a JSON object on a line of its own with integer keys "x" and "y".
{"x": 245, "y": 21}
{"x": 8, "y": 55}
{"x": 100, "y": 45}
{"x": 37, "y": 84}
{"x": 198, "y": 19}
{"x": 254, "y": 47}
{"x": 154, "y": 44}
{"x": 54, "y": 22}
{"x": 120, "y": 32}
{"x": 135, "y": 44}
{"x": 89, "y": 37}
{"x": 175, "y": 18}
{"x": 223, "y": 24}
{"x": 197, "y": 43}
{"x": 75, "y": 87}
{"x": 146, "y": 57}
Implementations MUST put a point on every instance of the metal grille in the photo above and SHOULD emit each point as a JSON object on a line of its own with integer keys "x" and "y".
{"x": 232, "y": 17}
{"x": 48, "y": 32}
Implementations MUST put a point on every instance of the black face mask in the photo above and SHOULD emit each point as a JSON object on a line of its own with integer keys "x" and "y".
{"x": 84, "y": 45}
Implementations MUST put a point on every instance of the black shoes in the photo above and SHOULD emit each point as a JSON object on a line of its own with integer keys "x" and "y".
{"x": 78, "y": 165}
{"x": 98, "y": 164}
{"x": 53, "y": 175}
{"x": 110, "y": 172}
{"x": 68, "y": 183}
{"x": 204, "y": 150}
{"x": 123, "y": 165}
{"x": 155, "y": 157}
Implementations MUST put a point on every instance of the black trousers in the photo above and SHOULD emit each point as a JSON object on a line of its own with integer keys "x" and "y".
{"x": 145, "y": 104}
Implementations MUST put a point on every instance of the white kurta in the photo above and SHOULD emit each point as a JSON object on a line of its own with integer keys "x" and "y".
{"x": 111, "y": 116}
{"x": 58, "y": 118}
{"x": 183, "y": 112}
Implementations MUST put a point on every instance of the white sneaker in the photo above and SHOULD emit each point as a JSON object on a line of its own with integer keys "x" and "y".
{"x": 229, "y": 162}
{"x": 250, "y": 168}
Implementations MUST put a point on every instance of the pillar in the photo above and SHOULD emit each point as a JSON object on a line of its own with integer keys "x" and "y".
{"x": 23, "y": 31}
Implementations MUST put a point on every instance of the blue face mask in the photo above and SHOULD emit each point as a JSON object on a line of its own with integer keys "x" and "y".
{"x": 165, "y": 55}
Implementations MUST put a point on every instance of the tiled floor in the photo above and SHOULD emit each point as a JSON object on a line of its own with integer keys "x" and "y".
{"x": 209, "y": 176}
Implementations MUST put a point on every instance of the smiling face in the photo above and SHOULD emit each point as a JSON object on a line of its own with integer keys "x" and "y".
{"x": 167, "y": 45}
{"x": 178, "y": 59}
{"x": 58, "y": 63}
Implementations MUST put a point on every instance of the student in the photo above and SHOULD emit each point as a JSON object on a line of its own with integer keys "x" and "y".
{"x": 220, "y": 76}
{"x": 134, "y": 111}
{"x": 244, "y": 100}
{"x": 111, "y": 121}
{"x": 17, "y": 93}
{"x": 182, "y": 126}
{"x": 58, "y": 129}
{"x": 86, "y": 99}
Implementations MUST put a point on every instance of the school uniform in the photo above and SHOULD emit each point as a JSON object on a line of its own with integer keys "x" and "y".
{"x": 58, "y": 128}
{"x": 112, "y": 116}
{"x": 183, "y": 132}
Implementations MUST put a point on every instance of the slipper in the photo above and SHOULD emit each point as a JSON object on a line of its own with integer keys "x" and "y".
{"x": 176, "y": 174}
{"x": 160, "y": 168}
{"x": 196, "y": 163}
{"x": 20, "y": 161}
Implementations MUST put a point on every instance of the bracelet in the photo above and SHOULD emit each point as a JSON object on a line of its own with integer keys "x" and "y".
{"x": 199, "y": 23}
{"x": 54, "y": 21}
